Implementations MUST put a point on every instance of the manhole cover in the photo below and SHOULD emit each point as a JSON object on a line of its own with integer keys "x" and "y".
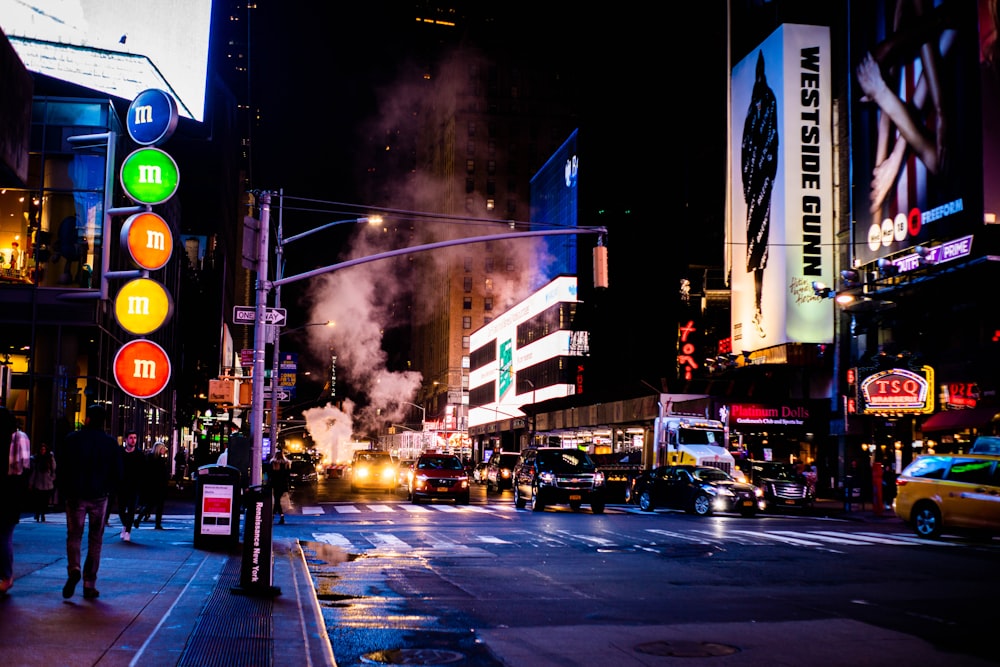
{"x": 686, "y": 649}
{"x": 413, "y": 656}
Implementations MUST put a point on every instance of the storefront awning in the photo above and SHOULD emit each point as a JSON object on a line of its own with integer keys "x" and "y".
{"x": 958, "y": 420}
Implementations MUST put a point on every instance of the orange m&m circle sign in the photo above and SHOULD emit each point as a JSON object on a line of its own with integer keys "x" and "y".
{"x": 142, "y": 368}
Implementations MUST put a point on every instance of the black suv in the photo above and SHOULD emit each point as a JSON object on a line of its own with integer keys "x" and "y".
{"x": 550, "y": 475}
{"x": 782, "y": 487}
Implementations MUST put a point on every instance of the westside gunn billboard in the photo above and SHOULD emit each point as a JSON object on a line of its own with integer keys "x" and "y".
{"x": 781, "y": 229}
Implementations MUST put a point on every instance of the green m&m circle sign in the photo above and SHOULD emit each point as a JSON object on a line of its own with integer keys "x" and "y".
{"x": 149, "y": 176}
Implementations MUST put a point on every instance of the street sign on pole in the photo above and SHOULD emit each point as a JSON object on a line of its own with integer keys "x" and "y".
{"x": 283, "y": 394}
{"x": 248, "y": 315}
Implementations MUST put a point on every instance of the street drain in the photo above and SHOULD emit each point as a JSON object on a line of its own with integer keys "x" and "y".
{"x": 686, "y": 649}
{"x": 413, "y": 656}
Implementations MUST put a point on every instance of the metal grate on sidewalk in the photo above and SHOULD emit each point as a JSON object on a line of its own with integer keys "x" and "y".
{"x": 233, "y": 630}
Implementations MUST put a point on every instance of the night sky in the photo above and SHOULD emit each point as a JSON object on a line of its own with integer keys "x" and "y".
{"x": 651, "y": 94}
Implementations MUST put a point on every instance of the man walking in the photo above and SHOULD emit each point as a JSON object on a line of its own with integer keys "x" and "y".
{"x": 133, "y": 475}
{"x": 90, "y": 468}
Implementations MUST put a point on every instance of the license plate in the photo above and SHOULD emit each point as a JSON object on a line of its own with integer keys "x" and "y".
{"x": 788, "y": 502}
{"x": 442, "y": 489}
{"x": 576, "y": 497}
{"x": 747, "y": 503}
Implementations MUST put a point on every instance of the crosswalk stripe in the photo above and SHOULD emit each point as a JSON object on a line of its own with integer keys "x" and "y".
{"x": 865, "y": 538}
{"x": 336, "y": 539}
{"x": 832, "y": 538}
{"x": 346, "y": 509}
{"x": 782, "y": 537}
{"x": 388, "y": 540}
{"x": 490, "y": 539}
{"x": 415, "y": 509}
{"x": 679, "y": 536}
{"x": 380, "y": 508}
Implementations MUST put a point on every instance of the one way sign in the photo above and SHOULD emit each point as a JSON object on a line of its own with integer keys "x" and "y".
{"x": 248, "y": 315}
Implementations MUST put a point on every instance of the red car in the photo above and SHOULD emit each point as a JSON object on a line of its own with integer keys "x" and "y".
{"x": 439, "y": 476}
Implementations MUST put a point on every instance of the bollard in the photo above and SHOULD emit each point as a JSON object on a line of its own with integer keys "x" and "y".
{"x": 257, "y": 571}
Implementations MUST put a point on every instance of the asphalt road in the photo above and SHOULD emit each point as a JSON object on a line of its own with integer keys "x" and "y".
{"x": 489, "y": 584}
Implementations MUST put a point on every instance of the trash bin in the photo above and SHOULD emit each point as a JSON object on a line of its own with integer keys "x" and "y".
{"x": 217, "y": 508}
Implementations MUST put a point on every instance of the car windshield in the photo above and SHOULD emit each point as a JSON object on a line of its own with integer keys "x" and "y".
{"x": 374, "y": 457}
{"x": 439, "y": 463}
{"x": 712, "y": 475}
{"x": 565, "y": 460}
{"x": 775, "y": 471}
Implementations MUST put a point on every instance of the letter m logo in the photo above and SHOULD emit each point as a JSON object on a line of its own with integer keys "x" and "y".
{"x": 143, "y": 114}
{"x": 149, "y": 173}
{"x": 145, "y": 369}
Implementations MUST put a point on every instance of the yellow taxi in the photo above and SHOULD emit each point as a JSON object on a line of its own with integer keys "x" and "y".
{"x": 938, "y": 493}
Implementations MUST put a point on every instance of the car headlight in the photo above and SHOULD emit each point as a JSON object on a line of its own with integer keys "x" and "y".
{"x": 388, "y": 474}
{"x": 546, "y": 478}
{"x": 712, "y": 491}
{"x": 757, "y": 491}
{"x": 505, "y": 473}
{"x": 598, "y": 478}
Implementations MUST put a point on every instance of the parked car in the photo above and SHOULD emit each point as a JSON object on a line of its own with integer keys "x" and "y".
{"x": 498, "y": 472}
{"x": 782, "y": 486}
{"x": 700, "y": 490}
{"x": 439, "y": 476}
{"x": 555, "y": 475}
{"x": 986, "y": 444}
{"x": 479, "y": 472}
{"x": 373, "y": 469}
{"x": 960, "y": 492}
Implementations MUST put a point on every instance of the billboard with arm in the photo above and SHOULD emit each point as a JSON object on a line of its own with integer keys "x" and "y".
{"x": 916, "y": 144}
{"x": 116, "y": 47}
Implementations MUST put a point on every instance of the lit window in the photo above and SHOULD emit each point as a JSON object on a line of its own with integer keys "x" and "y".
{"x": 491, "y": 204}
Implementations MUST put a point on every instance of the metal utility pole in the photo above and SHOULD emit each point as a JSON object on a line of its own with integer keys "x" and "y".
{"x": 279, "y": 271}
{"x": 259, "y": 343}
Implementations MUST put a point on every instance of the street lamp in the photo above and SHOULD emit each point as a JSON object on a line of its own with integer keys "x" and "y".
{"x": 423, "y": 414}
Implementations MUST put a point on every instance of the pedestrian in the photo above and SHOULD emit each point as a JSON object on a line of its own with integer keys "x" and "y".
{"x": 889, "y": 485}
{"x": 279, "y": 477}
{"x": 154, "y": 488}
{"x": 133, "y": 475}
{"x": 42, "y": 481}
{"x": 180, "y": 468}
{"x": 89, "y": 471}
{"x": 12, "y": 490}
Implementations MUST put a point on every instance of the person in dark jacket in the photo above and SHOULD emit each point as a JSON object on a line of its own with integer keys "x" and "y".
{"x": 279, "y": 476}
{"x": 11, "y": 498}
{"x": 133, "y": 476}
{"x": 89, "y": 471}
{"x": 154, "y": 488}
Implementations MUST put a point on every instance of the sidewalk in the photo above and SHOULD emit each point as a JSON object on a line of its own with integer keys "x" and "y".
{"x": 162, "y": 603}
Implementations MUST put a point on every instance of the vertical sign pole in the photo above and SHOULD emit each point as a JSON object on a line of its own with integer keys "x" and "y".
{"x": 259, "y": 344}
